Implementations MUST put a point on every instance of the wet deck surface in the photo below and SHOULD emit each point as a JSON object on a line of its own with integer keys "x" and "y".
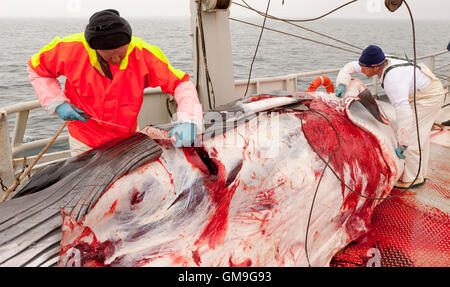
{"x": 412, "y": 229}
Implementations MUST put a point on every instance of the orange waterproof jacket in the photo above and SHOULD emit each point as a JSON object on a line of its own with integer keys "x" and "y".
{"x": 116, "y": 101}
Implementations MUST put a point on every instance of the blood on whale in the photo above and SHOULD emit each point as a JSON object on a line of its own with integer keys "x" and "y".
{"x": 359, "y": 157}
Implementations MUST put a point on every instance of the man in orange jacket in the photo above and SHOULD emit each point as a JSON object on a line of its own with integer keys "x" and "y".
{"x": 107, "y": 70}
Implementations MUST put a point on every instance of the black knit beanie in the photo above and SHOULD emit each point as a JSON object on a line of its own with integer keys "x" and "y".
{"x": 107, "y": 30}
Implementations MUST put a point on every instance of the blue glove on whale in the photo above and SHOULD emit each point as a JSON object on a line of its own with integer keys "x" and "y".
{"x": 340, "y": 90}
{"x": 185, "y": 134}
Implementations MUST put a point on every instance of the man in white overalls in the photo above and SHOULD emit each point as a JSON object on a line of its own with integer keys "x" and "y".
{"x": 397, "y": 79}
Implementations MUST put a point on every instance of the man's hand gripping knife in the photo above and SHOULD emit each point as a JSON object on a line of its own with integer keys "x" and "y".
{"x": 70, "y": 112}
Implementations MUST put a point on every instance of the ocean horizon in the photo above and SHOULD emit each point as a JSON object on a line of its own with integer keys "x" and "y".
{"x": 278, "y": 54}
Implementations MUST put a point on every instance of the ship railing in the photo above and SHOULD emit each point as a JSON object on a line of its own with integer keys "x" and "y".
{"x": 292, "y": 82}
{"x": 12, "y": 148}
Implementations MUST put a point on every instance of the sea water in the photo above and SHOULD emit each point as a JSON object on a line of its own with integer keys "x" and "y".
{"x": 277, "y": 55}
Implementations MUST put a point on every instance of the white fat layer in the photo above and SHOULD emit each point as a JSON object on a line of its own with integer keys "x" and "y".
{"x": 267, "y": 216}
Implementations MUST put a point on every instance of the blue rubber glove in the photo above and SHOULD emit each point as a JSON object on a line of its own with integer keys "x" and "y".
{"x": 340, "y": 90}
{"x": 399, "y": 151}
{"x": 185, "y": 134}
{"x": 69, "y": 112}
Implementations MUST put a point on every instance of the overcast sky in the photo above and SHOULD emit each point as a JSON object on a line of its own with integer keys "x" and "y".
{"x": 422, "y": 9}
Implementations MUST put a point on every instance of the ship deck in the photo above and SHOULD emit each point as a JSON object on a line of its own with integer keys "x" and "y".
{"x": 413, "y": 228}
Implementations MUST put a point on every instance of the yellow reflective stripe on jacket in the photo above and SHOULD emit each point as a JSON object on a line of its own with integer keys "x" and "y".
{"x": 35, "y": 59}
{"x": 140, "y": 44}
{"x": 135, "y": 43}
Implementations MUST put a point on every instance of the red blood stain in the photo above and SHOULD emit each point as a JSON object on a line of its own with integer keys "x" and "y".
{"x": 405, "y": 232}
{"x": 245, "y": 263}
{"x": 261, "y": 97}
{"x": 214, "y": 152}
{"x": 196, "y": 258}
{"x": 194, "y": 159}
{"x": 95, "y": 254}
{"x": 148, "y": 258}
{"x": 165, "y": 168}
{"x": 137, "y": 196}
{"x": 215, "y": 230}
{"x": 264, "y": 201}
{"x": 88, "y": 254}
{"x": 179, "y": 259}
{"x": 85, "y": 249}
{"x": 112, "y": 209}
{"x": 264, "y": 221}
{"x": 215, "y": 182}
{"x": 359, "y": 155}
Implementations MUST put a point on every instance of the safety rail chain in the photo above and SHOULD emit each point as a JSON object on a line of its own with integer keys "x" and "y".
{"x": 12, "y": 163}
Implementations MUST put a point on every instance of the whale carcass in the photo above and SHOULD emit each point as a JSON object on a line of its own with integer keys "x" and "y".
{"x": 279, "y": 179}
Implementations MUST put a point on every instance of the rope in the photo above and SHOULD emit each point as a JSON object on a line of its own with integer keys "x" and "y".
{"x": 322, "y": 16}
{"x": 28, "y": 169}
{"x": 3, "y": 187}
{"x": 202, "y": 38}
{"x": 296, "y": 36}
{"x": 415, "y": 105}
{"x": 257, "y": 46}
{"x": 293, "y": 24}
{"x": 327, "y": 162}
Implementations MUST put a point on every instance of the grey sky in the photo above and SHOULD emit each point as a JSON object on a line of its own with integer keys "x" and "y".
{"x": 422, "y": 9}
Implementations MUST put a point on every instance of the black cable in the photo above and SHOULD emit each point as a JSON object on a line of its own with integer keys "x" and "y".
{"x": 415, "y": 105}
{"x": 200, "y": 24}
{"x": 168, "y": 108}
{"x": 334, "y": 128}
{"x": 322, "y": 16}
{"x": 334, "y": 172}
{"x": 296, "y": 36}
{"x": 327, "y": 164}
{"x": 248, "y": 81}
{"x": 417, "y": 130}
{"x": 198, "y": 58}
{"x": 247, "y": 6}
{"x": 257, "y": 46}
{"x": 202, "y": 38}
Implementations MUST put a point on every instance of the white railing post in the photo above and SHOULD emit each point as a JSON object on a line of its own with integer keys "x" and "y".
{"x": 20, "y": 127}
{"x": 6, "y": 168}
{"x": 432, "y": 59}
